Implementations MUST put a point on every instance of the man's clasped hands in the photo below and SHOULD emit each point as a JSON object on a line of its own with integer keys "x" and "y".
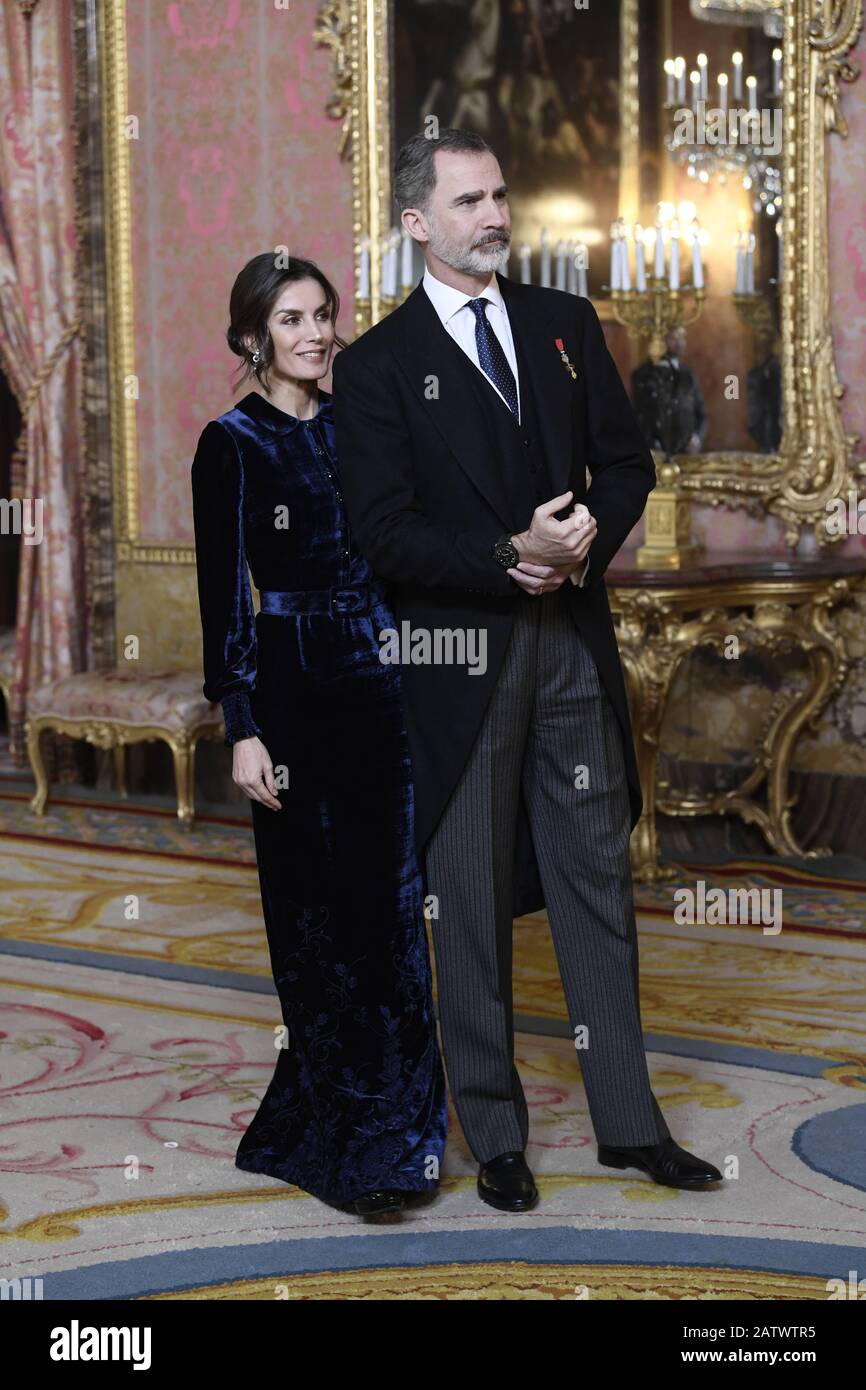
{"x": 551, "y": 550}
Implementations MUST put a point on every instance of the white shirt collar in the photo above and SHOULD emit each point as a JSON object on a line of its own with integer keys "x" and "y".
{"x": 447, "y": 301}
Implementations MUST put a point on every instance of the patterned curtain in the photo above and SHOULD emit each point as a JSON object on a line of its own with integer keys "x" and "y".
{"x": 39, "y": 340}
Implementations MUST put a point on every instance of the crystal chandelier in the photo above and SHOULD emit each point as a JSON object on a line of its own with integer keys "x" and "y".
{"x": 733, "y": 137}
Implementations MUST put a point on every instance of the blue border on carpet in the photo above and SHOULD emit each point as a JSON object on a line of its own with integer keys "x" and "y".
{"x": 174, "y": 1272}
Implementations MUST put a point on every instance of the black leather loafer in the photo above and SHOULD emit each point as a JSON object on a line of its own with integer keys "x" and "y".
{"x": 376, "y": 1203}
{"x": 666, "y": 1163}
{"x": 506, "y": 1182}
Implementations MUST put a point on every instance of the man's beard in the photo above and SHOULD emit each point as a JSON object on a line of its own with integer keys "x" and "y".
{"x": 473, "y": 260}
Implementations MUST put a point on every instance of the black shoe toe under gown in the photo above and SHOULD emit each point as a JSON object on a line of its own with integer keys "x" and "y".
{"x": 357, "y": 1100}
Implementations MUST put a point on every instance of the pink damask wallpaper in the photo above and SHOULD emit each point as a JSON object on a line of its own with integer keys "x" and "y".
{"x": 234, "y": 155}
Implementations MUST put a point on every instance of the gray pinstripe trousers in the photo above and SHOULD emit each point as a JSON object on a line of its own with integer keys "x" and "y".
{"x": 548, "y": 716}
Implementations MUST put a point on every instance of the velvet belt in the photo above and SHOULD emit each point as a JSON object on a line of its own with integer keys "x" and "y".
{"x": 347, "y": 600}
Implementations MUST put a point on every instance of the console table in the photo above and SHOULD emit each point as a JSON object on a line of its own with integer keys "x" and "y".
{"x": 775, "y": 604}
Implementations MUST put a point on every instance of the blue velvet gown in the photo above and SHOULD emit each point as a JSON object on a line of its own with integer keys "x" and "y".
{"x": 357, "y": 1101}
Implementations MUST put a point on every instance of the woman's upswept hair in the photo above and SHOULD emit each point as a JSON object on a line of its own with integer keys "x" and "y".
{"x": 253, "y": 296}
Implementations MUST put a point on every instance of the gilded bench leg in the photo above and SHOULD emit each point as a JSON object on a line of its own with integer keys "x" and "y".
{"x": 33, "y": 730}
{"x": 183, "y": 754}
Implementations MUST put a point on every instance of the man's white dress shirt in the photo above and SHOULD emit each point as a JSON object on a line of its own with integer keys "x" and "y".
{"x": 456, "y": 319}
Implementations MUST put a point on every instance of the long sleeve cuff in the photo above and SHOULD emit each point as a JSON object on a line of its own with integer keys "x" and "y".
{"x": 582, "y": 580}
{"x": 238, "y": 717}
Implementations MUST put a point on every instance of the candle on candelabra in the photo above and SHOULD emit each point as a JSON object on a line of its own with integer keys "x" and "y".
{"x": 395, "y": 251}
{"x": 680, "y": 74}
{"x": 779, "y": 226}
{"x": 777, "y": 71}
{"x": 639, "y": 258}
{"x": 702, "y": 69}
{"x": 750, "y": 264}
{"x": 545, "y": 258}
{"x": 560, "y": 265}
{"x": 659, "y": 260}
{"x": 695, "y": 80}
{"x": 389, "y": 266}
{"x": 624, "y": 268}
{"x": 384, "y": 259}
{"x": 751, "y": 94}
{"x": 524, "y": 256}
{"x": 615, "y": 280}
{"x": 571, "y": 267}
{"x": 582, "y": 269}
{"x": 740, "y": 283}
{"x": 364, "y": 269}
{"x": 669, "y": 81}
{"x": 737, "y": 60}
{"x": 674, "y": 278}
{"x": 723, "y": 91}
{"x": 406, "y": 276}
{"x": 697, "y": 264}
{"x": 649, "y": 242}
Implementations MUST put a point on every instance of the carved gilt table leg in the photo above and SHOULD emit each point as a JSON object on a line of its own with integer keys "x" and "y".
{"x": 649, "y": 667}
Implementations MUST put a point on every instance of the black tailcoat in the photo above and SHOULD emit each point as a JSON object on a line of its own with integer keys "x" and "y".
{"x": 426, "y": 498}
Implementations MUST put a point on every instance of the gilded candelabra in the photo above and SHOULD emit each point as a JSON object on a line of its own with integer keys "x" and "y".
{"x": 653, "y": 312}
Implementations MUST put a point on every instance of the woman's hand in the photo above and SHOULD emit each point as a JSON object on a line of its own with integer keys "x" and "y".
{"x": 253, "y": 772}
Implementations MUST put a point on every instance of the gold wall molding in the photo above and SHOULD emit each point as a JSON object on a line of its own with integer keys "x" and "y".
{"x": 629, "y": 106}
{"x": 130, "y": 546}
{"x": 815, "y": 462}
{"x": 358, "y": 33}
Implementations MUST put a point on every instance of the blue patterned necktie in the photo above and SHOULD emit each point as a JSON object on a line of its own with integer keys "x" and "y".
{"x": 491, "y": 356}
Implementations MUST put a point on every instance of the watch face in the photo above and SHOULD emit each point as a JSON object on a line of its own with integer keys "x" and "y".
{"x": 506, "y": 553}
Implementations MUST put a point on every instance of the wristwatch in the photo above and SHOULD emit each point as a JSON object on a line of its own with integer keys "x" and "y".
{"x": 506, "y": 552}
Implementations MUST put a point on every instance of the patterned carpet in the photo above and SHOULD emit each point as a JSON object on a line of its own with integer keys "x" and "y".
{"x": 136, "y": 1017}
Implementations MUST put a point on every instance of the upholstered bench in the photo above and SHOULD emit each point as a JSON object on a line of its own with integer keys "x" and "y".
{"x": 119, "y": 706}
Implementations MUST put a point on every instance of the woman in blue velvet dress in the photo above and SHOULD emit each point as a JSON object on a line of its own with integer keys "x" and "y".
{"x": 356, "y": 1111}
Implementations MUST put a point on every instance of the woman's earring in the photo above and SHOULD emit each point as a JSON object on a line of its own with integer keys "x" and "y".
{"x": 256, "y": 355}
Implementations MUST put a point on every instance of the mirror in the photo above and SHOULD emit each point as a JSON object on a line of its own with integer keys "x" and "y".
{"x": 711, "y": 183}
{"x": 582, "y": 109}
{"x": 687, "y": 170}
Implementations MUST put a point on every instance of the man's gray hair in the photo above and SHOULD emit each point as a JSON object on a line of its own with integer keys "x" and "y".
{"x": 415, "y": 170}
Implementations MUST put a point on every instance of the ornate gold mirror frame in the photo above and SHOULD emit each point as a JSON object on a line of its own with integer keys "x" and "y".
{"x": 815, "y": 461}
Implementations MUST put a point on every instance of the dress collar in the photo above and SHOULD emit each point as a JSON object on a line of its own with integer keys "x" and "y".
{"x": 259, "y": 408}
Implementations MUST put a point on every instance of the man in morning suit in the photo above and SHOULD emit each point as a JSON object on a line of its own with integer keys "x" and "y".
{"x": 465, "y": 421}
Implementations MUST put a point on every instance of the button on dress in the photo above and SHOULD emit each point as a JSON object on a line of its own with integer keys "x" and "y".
{"x": 357, "y": 1101}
